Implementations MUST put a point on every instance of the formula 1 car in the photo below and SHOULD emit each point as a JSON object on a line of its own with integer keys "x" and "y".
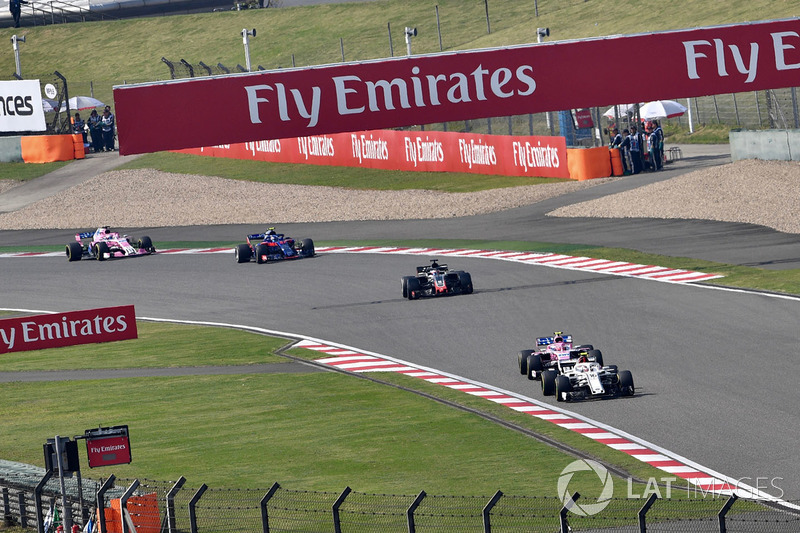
{"x": 272, "y": 246}
{"x": 586, "y": 379}
{"x": 436, "y": 280}
{"x": 551, "y": 352}
{"x": 106, "y": 244}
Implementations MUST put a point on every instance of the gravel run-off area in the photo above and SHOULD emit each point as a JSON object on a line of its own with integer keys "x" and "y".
{"x": 756, "y": 192}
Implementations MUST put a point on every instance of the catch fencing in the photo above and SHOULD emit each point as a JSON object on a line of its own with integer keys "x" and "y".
{"x": 26, "y": 502}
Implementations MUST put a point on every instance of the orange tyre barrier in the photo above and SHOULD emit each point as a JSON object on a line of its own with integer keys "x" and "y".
{"x": 77, "y": 144}
{"x": 47, "y": 148}
{"x": 616, "y": 162}
{"x": 588, "y": 163}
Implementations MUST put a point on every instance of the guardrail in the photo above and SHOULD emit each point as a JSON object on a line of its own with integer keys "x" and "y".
{"x": 277, "y": 509}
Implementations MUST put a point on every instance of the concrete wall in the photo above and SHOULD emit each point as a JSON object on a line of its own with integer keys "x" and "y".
{"x": 10, "y": 150}
{"x": 771, "y": 145}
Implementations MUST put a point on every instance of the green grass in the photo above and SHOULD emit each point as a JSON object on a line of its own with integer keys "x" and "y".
{"x": 158, "y": 345}
{"x": 331, "y": 176}
{"x": 27, "y": 171}
{"x": 316, "y": 431}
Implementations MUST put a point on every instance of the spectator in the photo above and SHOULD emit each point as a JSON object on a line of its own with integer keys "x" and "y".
{"x": 625, "y": 151}
{"x": 652, "y": 145}
{"x": 617, "y": 142}
{"x": 79, "y": 126}
{"x": 15, "y": 6}
{"x": 660, "y": 135}
{"x": 636, "y": 142}
{"x": 107, "y": 125}
{"x": 96, "y": 131}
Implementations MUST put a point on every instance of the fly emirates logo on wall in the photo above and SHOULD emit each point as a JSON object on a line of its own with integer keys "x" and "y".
{"x": 67, "y": 329}
{"x": 356, "y": 96}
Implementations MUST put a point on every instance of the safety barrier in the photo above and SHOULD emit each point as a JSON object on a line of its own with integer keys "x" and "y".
{"x": 40, "y": 149}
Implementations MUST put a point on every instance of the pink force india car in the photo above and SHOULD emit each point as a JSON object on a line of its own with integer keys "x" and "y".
{"x": 103, "y": 244}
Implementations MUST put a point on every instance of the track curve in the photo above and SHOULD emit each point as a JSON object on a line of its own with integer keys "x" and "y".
{"x": 712, "y": 386}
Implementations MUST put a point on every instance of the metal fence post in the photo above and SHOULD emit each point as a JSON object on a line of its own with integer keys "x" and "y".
{"x": 170, "y": 66}
{"x": 412, "y": 527}
{"x": 487, "y": 511}
{"x": 794, "y": 107}
{"x": 192, "y": 503}
{"x": 562, "y": 515}
{"x": 37, "y": 500}
{"x": 267, "y": 497}
{"x": 100, "y": 502}
{"x": 337, "y": 525}
{"x": 23, "y": 517}
{"x": 7, "y": 519}
{"x": 172, "y": 524}
{"x": 123, "y": 504}
{"x": 736, "y": 109}
{"x": 724, "y": 511}
{"x": 643, "y": 511}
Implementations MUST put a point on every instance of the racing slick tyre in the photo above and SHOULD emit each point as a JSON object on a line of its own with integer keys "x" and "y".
{"x": 522, "y": 360}
{"x": 404, "y": 280}
{"x": 261, "y": 251}
{"x": 146, "y": 243}
{"x": 413, "y": 288}
{"x": 549, "y": 382}
{"x": 535, "y": 367}
{"x": 598, "y": 356}
{"x": 242, "y": 253}
{"x": 100, "y": 250}
{"x": 466, "y": 282}
{"x": 563, "y": 388}
{"x": 74, "y": 251}
{"x": 626, "y": 387}
{"x": 308, "y": 248}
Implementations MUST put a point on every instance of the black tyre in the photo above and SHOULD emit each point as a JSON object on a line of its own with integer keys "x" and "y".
{"x": 404, "y": 281}
{"x": 598, "y": 356}
{"x": 535, "y": 366}
{"x": 586, "y": 347}
{"x": 261, "y": 251}
{"x": 242, "y": 253}
{"x": 522, "y": 361}
{"x": 563, "y": 388}
{"x": 308, "y": 248}
{"x": 626, "y": 387}
{"x": 74, "y": 251}
{"x": 100, "y": 250}
{"x": 413, "y": 288}
{"x": 549, "y": 382}
{"x": 466, "y": 282}
{"x": 146, "y": 244}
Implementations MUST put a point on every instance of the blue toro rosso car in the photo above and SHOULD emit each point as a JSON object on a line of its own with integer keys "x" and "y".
{"x": 272, "y": 246}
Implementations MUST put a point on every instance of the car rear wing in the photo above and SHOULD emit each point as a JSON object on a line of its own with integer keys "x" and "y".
{"x": 84, "y": 235}
{"x": 256, "y": 236}
{"x": 544, "y": 341}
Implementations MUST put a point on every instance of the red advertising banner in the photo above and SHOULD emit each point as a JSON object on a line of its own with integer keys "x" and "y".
{"x": 67, "y": 329}
{"x": 106, "y": 451}
{"x": 433, "y": 151}
{"x": 457, "y": 86}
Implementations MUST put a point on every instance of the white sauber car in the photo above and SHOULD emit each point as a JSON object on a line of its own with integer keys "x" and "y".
{"x": 586, "y": 379}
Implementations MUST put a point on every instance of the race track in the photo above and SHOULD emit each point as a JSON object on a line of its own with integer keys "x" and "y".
{"x": 715, "y": 369}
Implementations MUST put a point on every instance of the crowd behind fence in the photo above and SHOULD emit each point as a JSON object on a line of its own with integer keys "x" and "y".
{"x": 204, "y": 509}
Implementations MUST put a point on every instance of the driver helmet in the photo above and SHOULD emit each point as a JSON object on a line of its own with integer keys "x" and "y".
{"x": 583, "y": 358}
{"x": 270, "y": 231}
{"x": 558, "y": 338}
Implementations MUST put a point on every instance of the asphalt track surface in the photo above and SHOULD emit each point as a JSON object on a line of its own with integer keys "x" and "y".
{"x": 715, "y": 370}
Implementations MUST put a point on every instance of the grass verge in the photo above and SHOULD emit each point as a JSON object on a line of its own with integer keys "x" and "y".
{"x": 27, "y": 171}
{"x": 311, "y": 431}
